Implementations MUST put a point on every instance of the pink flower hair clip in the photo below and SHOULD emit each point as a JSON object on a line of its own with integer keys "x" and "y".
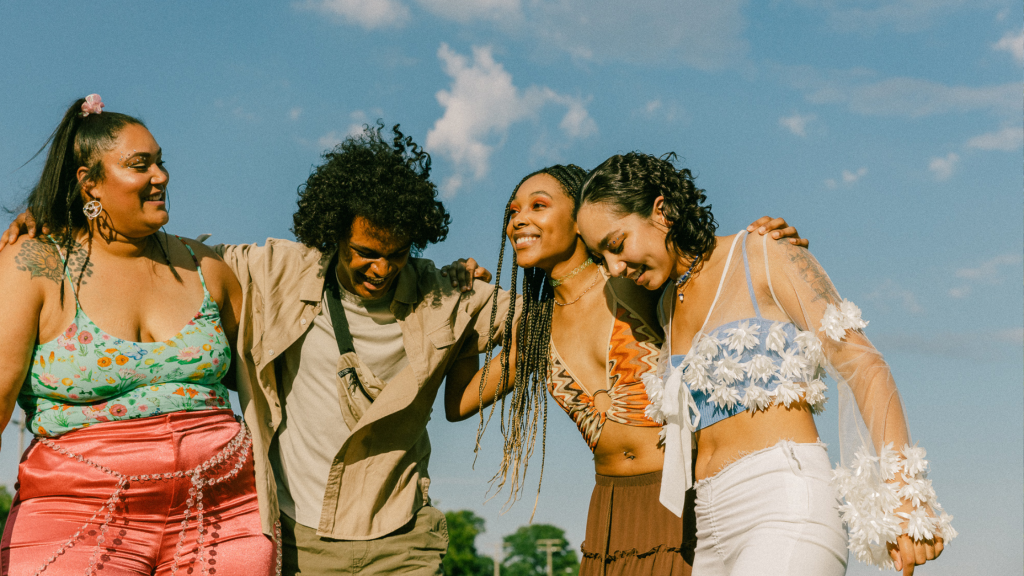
{"x": 93, "y": 105}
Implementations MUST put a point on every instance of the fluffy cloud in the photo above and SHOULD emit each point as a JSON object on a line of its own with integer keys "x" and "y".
{"x": 943, "y": 167}
{"x": 796, "y": 123}
{"x": 891, "y": 292}
{"x": 861, "y": 92}
{"x": 1005, "y": 139}
{"x": 1012, "y": 43}
{"x": 847, "y": 178}
{"x": 480, "y": 107}
{"x": 368, "y": 14}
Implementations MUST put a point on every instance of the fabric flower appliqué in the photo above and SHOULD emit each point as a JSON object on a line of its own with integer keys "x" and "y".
{"x": 743, "y": 337}
{"x": 776, "y": 339}
{"x": 838, "y": 319}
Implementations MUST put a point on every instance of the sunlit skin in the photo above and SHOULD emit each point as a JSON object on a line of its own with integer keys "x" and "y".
{"x": 634, "y": 246}
{"x": 130, "y": 291}
{"x": 370, "y": 259}
{"x": 544, "y": 235}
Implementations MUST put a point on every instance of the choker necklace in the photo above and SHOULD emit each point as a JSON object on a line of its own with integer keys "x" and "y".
{"x": 681, "y": 282}
{"x": 554, "y": 282}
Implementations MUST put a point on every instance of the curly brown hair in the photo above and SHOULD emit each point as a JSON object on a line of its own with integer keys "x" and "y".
{"x": 630, "y": 183}
{"x": 388, "y": 184}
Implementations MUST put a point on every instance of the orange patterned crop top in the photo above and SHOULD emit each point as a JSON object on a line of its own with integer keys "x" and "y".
{"x": 632, "y": 352}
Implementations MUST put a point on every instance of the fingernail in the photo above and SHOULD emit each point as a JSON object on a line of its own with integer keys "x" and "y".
{"x": 761, "y": 230}
{"x": 775, "y": 235}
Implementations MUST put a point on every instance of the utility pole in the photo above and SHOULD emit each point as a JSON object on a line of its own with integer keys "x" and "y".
{"x": 549, "y": 545}
{"x": 499, "y": 557}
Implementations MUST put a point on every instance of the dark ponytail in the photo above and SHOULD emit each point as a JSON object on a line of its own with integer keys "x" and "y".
{"x": 56, "y": 200}
{"x": 632, "y": 182}
{"x": 528, "y": 397}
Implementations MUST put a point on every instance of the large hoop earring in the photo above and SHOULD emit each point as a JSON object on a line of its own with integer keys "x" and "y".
{"x": 92, "y": 209}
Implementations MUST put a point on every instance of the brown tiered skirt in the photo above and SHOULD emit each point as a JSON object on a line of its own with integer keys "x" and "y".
{"x": 630, "y": 533}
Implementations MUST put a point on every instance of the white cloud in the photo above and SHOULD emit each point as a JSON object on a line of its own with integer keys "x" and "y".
{"x": 1007, "y": 139}
{"x": 705, "y": 34}
{"x": 465, "y": 11}
{"x": 960, "y": 292}
{"x": 889, "y": 291}
{"x": 861, "y": 92}
{"x": 990, "y": 271}
{"x": 1013, "y": 44}
{"x": 847, "y": 178}
{"x": 943, "y": 168}
{"x": 294, "y": 113}
{"x": 330, "y": 140}
{"x": 904, "y": 15}
{"x": 796, "y": 123}
{"x": 851, "y": 177}
{"x": 369, "y": 14}
{"x": 480, "y": 107}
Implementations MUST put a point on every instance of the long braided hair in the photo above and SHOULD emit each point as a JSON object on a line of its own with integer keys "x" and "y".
{"x": 56, "y": 200}
{"x": 527, "y": 400}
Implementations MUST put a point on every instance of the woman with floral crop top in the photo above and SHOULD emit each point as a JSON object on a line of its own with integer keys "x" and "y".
{"x": 752, "y": 326}
{"x": 116, "y": 341}
{"x": 589, "y": 340}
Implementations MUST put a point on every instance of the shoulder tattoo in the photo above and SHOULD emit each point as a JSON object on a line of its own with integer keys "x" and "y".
{"x": 811, "y": 272}
{"x": 42, "y": 260}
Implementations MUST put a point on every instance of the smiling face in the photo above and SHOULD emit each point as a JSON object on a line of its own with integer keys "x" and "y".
{"x": 631, "y": 245}
{"x": 370, "y": 259}
{"x": 540, "y": 225}
{"x": 133, "y": 189}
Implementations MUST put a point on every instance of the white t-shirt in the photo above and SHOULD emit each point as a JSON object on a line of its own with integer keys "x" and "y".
{"x": 313, "y": 429}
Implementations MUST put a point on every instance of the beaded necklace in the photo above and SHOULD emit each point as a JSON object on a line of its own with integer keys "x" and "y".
{"x": 555, "y": 282}
{"x": 681, "y": 282}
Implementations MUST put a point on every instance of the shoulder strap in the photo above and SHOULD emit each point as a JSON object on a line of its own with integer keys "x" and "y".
{"x": 768, "y": 274}
{"x": 721, "y": 282}
{"x": 67, "y": 270}
{"x": 339, "y": 321}
{"x": 202, "y": 279}
{"x": 750, "y": 283}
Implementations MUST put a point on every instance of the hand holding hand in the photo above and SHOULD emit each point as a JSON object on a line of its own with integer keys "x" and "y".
{"x": 908, "y": 553}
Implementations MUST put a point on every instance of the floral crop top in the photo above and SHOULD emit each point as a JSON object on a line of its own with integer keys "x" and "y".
{"x": 633, "y": 349}
{"x": 86, "y": 376}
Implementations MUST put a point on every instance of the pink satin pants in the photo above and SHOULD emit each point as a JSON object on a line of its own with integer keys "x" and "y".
{"x": 57, "y": 495}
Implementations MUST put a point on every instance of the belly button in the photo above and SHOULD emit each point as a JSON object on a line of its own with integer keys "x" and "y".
{"x": 628, "y": 455}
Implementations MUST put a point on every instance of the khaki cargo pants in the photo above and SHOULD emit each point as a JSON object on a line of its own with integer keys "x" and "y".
{"x": 415, "y": 549}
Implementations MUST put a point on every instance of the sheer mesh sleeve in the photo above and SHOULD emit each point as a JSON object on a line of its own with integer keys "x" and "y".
{"x": 882, "y": 476}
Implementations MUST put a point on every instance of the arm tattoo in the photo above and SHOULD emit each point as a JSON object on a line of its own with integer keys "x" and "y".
{"x": 812, "y": 273}
{"x": 42, "y": 260}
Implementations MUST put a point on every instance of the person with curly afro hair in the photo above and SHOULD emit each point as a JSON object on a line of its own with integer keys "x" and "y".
{"x": 348, "y": 337}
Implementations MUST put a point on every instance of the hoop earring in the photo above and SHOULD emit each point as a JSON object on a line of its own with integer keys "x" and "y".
{"x": 92, "y": 209}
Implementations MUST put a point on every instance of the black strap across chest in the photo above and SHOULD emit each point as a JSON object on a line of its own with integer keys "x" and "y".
{"x": 339, "y": 321}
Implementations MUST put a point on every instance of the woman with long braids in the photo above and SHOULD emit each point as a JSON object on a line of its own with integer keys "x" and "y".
{"x": 116, "y": 340}
{"x": 751, "y": 328}
{"x": 588, "y": 339}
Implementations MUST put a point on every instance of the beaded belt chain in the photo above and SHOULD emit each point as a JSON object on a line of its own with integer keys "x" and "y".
{"x": 238, "y": 448}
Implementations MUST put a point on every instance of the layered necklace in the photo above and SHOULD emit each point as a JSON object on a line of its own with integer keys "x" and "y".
{"x": 559, "y": 281}
{"x": 681, "y": 282}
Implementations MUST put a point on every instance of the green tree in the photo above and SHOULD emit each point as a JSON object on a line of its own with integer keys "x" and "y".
{"x": 462, "y": 558}
{"x": 5, "y": 506}
{"x": 526, "y": 559}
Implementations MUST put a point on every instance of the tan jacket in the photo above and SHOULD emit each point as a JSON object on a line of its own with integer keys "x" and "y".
{"x": 379, "y": 478}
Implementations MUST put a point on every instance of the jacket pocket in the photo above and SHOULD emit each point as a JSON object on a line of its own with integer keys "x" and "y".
{"x": 442, "y": 336}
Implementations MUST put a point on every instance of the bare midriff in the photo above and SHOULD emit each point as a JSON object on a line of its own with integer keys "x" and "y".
{"x": 628, "y": 450}
{"x": 725, "y": 442}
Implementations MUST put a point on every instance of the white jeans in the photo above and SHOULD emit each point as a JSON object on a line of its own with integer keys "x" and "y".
{"x": 772, "y": 512}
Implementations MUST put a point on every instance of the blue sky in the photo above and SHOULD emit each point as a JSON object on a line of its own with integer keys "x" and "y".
{"x": 889, "y": 132}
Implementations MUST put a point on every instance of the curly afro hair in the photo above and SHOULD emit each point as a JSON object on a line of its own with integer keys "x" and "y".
{"x": 632, "y": 182}
{"x": 386, "y": 183}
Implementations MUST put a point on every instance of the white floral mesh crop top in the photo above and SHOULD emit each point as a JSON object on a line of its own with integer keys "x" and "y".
{"x": 776, "y": 327}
